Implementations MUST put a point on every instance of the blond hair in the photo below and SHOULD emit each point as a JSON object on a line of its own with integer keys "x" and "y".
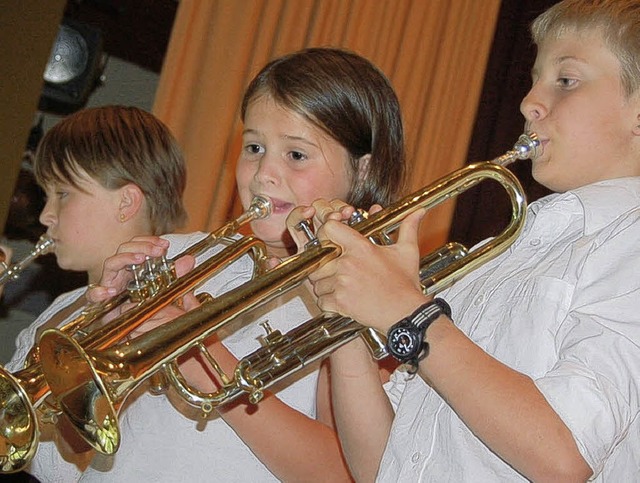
{"x": 618, "y": 20}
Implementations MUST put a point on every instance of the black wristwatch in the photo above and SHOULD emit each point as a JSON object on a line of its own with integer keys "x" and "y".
{"x": 405, "y": 339}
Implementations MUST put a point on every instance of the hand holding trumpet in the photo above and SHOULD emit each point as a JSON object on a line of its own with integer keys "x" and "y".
{"x": 346, "y": 285}
{"x": 117, "y": 274}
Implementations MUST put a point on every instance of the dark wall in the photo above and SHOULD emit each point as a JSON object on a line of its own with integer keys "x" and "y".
{"x": 136, "y": 31}
{"x": 27, "y": 30}
{"x": 485, "y": 210}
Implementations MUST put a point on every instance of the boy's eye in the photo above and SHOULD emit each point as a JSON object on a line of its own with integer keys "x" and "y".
{"x": 566, "y": 82}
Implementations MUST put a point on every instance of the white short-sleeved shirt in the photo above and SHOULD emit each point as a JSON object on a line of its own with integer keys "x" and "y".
{"x": 562, "y": 306}
{"x": 160, "y": 444}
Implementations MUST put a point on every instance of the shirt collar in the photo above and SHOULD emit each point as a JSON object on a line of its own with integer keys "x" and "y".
{"x": 605, "y": 201}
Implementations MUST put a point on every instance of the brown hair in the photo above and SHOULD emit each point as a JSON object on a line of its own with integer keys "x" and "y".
{"x": 117, "y": 145}
{"x": 346, "y": 96}
{"x": 618, "y": 20}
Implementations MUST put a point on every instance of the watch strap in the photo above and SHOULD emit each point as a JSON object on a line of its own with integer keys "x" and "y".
{"x": 427, "y": 313}
{"x": 420, "y": 320}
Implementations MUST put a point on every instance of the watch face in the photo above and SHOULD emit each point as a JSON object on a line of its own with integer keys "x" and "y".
{"x": 403, "y": 341}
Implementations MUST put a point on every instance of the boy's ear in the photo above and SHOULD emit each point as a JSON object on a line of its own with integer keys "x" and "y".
{"x": 131, "y": 200}
{"x": 636, "y": 128}
{"x": 635, "y": 100}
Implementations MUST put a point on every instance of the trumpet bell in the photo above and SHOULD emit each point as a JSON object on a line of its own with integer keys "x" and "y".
{"x": 81, "y": 393}
{"x": 19, "y": 435}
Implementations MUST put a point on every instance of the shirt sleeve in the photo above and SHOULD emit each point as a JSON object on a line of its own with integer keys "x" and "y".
{"x": 595, "y": 384}
{"x": 394, "y": 387}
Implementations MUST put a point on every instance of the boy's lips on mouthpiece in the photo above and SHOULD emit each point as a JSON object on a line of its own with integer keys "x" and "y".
{"x": 543, "y": 145}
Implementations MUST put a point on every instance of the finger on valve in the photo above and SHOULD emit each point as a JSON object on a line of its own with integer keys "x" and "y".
{"x": 295, "y": 221}
{"x": 332, "y": 210}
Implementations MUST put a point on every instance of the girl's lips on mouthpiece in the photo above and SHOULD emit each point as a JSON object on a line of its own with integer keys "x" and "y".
{"x": 280, "y": 206}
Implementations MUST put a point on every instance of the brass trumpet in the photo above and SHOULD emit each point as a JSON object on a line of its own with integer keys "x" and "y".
{"x": 44, "y": 246}
{"x": 91, "y": 385}
{"x": 23, "y": 393}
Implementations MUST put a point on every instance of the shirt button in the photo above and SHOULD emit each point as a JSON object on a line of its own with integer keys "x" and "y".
{"x": 478, "y": 300}
{"x": 415, "y": 457}
{"x": 535, "y": 242}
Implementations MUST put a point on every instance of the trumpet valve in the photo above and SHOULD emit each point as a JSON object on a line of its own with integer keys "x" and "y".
{"x": 305, "y": 226}
{"x": 168, "y": 271}
{"x": 361, "y": 215}
{"x": 138, "y": 288}
{"x": 357, "y": 216}
{"x": 271, "y": 336}
{"x": 153, "y": 276}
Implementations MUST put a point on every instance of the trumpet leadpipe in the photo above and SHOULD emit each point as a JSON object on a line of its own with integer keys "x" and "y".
{"x": 44, "y": 246}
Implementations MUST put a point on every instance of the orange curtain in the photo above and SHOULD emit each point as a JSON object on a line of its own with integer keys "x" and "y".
{"x": 433, "y": 51}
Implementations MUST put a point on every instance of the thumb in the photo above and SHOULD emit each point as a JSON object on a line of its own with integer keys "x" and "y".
{"x": 408, "y": 232}
{"x": 272, "y": 262}
{"x": 189, "y": 302}
{"x": 184, "y": 265}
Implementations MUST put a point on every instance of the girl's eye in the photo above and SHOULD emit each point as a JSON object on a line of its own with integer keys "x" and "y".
{"x": 297, "y": 156}
{"x": 61, "y": 194}
{"x": 254, "y": 148}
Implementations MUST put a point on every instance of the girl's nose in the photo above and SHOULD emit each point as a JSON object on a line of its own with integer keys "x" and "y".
{"x": 268, "y": 171}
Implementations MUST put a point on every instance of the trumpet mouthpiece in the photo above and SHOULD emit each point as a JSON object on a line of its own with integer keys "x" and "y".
{"x": 528, "y": 146}
{"x": 261, "y": 206}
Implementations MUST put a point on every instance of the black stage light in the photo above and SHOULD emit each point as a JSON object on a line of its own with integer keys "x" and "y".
{"x": 74, "y": 68}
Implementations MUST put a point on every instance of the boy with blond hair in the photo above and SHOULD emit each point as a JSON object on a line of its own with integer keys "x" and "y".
{"x": 533, "y": 375}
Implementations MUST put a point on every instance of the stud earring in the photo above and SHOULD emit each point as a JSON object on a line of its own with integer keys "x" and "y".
{"x": 122, "y": 218}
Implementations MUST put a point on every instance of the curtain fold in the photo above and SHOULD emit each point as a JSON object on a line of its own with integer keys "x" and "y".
{"x": 433, "y": 51}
